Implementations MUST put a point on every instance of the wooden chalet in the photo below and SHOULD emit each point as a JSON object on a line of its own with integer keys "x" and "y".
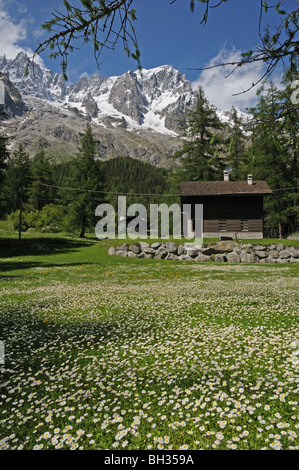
{"x": 230, "y": 208}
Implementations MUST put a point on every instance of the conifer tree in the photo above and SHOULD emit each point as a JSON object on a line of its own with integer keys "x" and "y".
{"x": 17, "y": 180}
{"x": 201, "y": 152}
{"x": 236, "y": 155}
{"x": 270, "y": 159}
{"x": 289, "y": 120}
{"x": 41, "y": 192}
{"x": 86, "y": 179}
{"x": 4, "y": 154}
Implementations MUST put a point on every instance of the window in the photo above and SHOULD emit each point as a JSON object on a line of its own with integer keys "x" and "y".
{"x": 244, "y": 225}
{"x": 222, "y": 225}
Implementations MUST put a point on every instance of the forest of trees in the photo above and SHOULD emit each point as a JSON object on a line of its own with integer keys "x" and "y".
{"x": 40, "y": 194}
{"x": 52, "y": 196}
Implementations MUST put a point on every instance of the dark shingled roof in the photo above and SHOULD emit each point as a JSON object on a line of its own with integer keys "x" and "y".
{"x": 214, "y": 188}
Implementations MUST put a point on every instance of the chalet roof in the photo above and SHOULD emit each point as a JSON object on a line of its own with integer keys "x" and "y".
{"x": 215, "y": 188}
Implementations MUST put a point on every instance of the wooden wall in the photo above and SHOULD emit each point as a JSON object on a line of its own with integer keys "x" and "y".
{"x": 232, "y": 210}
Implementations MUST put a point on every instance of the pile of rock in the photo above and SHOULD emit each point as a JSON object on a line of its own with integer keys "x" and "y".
{"x": 222, "y": 251}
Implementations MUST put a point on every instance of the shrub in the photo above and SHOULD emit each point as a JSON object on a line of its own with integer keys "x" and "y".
{"x": 51, "y": 218}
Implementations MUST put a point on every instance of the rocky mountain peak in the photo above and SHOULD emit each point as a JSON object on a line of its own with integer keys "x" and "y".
{"x": 11, "y": 102}
{"x": 137, "y": 114}
{"x": 149, "y": 99}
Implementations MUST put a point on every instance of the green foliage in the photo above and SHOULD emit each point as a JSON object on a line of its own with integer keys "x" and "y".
{"x": 236, "y": 155}
{"x": 202, "y": 142}
{"x": 273, "y": 156}
{"x": 86, "y": 179}
{"x": 91, "y": 23}
{"x": 4, "y": 155}
{"x": 126, "y": 175}
{"x": 52, "y": 218}
{"x": 269, "y": 151}
{"x": 40, "y": 190}
{"x": 17, "y": 179}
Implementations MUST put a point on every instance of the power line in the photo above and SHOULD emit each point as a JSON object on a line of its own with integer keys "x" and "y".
{"x": 285, "y": 189}
{"x": 135, "y": 194}
{"x": 107, "y": 192}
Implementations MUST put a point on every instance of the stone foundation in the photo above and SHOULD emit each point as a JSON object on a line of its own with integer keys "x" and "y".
{"x": 233, "y": 235}
{"x": 220, "y": 252}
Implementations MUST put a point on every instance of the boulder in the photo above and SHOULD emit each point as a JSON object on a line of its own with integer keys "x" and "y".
{"x": 259, "y": 248}
{"x": 130, "y": 254}
{"x": 161, "y": 253}
{"x": 222, "y": 246}
{"x": 135, "y": 249}
{"x": 123, "y": 247}
{"x": 268, "y": 260}
{"x": 112, "y": 251}
{"x": 280, "y": 247}
{"x": 247, "y": 257}
{"x": 285, "y": 254}
{"x": 156, "y": 245}
{"x": 262, "y": 254}
{"x": 143, "y": 245}
{"x": 273, "y": 254}
{"x": 202, "y": 258}
{"x": 171, "y": 256}
{"x": 220, "y": 258}
{"x": 247, "y": 248}
{"x": 188, "y": 258}
{"x": 192, "y": 253}
{"x": 295, "y": 253}
{"x": 171, "y": 247}
{"x": 149, "y": 251}
{"x": 181, "y": 250}
{"x": 233, "y": 258}
{"x": 207, "y": 251}
{"x": 122, "y": 253}
{"x": 294, "y": 260}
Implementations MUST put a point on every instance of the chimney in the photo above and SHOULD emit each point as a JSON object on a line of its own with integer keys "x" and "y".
{"x": 249, "y": 179}
{"x": 226, "y": 175}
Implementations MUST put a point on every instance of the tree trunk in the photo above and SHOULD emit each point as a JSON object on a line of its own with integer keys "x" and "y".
{"x": 280, "y": 231}
{"x": 82, "y": 233}
{"x": 21, "y": 210}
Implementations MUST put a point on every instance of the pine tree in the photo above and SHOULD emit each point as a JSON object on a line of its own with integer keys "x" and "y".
{"x": 41, "y": 192}
{"x": 85, "y": 177}
{"x": 290, "y": 123}
{"x": 202, "y": 142}
{"x": 17, "y": 180}
{"x": 236, "y": 155}
{"x": 4, "y": 155}
{"x": 269, "y": 156}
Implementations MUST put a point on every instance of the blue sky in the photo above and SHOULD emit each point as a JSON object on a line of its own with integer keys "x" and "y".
{"x": 167, "y": 34}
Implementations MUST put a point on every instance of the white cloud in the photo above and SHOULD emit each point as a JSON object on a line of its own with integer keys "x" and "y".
{"x": 12, "y": 33}
{"x": 220, "y": 86}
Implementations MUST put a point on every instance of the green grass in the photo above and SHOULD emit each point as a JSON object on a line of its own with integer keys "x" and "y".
{"x": 103, "y": 352}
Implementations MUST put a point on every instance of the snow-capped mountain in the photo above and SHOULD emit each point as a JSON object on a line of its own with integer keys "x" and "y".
{"x": 137, "y": 114}
{"x": 153, "y": 99}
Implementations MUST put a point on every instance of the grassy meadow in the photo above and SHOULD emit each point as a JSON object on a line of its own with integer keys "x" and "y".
{"x": 118, "y": 353}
